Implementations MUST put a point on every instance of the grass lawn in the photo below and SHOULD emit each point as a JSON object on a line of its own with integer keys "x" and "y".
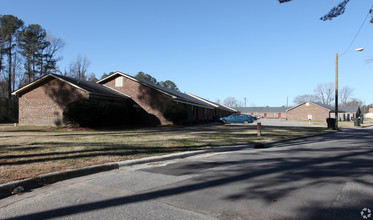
{"x": 30, "y": 151}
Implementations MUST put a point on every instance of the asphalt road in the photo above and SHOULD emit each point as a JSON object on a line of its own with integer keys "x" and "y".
{"x": 325, "y": 177}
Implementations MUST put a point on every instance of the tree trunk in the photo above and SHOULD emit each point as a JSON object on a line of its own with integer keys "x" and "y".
{"x": 1, "y": 57}
{"x": 10, "y": 70}
{"x": 14, "y": 71}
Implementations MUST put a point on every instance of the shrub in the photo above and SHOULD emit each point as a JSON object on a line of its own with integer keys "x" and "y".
{"x": 8, "y": 111}
{"x": 176, "y": 113}
{"x": 89, "y": 113}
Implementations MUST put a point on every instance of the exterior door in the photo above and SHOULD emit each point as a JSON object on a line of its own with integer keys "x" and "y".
{"x": 279, "y": 115}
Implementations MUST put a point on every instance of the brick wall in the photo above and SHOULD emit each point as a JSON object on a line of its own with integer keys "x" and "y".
{"x": 44, "y": 105}
{"x": 151, "y": 100}
{"x": 190, "y": 111}
{"x": 273, "y": 115}
{"x": 301, "y": 112}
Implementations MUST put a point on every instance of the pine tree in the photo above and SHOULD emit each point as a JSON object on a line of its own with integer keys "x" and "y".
{"x": 32, "y": 43}
{"x": 9, "y": 27}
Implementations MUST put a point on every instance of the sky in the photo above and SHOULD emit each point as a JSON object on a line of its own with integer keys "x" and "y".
{"x": 263, "y": 51}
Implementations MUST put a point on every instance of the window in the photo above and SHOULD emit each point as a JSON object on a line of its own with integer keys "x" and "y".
{"x": 119, "y": 82}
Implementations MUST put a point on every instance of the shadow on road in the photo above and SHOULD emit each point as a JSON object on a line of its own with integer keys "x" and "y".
{"x": 332, "y": 164}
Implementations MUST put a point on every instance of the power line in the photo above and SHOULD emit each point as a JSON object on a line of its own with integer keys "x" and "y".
{"x": 353, "y": 40}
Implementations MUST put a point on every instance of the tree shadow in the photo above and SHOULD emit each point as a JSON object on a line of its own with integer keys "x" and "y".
{"x": 62, "y": 93}
{"x": 96, "y": 150}
{"x": 267, "y": 178}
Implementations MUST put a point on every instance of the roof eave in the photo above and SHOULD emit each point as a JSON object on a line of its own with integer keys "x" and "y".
{"x": 203, "y": 100}
{"x": 191, "y": 103}
{"x": 25, "y": 88}
{"x": 134, "y": 79}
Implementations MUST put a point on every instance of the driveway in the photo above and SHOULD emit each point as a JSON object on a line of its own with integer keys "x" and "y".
{"x": 324, "y": 177}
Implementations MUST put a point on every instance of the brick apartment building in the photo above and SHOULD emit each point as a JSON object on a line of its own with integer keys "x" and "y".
{"x": 264, "y": 112}
{"x": 42, "y": 101}
{"x": 320, "y": 112}
{"x": 154, "y": 99}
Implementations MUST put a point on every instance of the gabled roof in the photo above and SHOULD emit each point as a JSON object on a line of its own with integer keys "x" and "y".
{"x": 175, "y": 95}
{"x": 92, "y": 89}
{"x": 261, "y": 109}
{"x": 341, "y": 109}
{"x": 327, "y": 107}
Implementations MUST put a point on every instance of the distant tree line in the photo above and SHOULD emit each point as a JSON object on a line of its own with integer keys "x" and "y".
{"x": 28, "y": 52}
{"x": 166, "y": 84}
{"x": 324, "y": 93}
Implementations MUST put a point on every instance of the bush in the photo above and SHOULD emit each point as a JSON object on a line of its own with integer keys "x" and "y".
{"x": 88, "y": 113}
{"x": 176, "y": 113}
{"x": 8, "y": 111}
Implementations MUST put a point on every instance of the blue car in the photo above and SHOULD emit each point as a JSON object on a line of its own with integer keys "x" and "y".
{"x": 237, "y": 118}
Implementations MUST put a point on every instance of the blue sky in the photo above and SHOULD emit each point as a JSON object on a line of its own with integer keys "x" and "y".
{"x": 260, "y": 50}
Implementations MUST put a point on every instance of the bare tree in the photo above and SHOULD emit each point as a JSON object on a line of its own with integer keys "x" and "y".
{"x": 305, "y": 98}
{"x": 240, "y": 104}
{"x": 354, "y": 102}
{"x": 230, "y": 102}
{"x": 55, "y": 45}
{"x": 345, "y": 94}
{"x": 79, "y": 67}
{"x": 92, "y": 78}
{"x": 325, "y": 93}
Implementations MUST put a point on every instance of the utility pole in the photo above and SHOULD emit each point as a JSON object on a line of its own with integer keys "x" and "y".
{"x": 245, "y": 101}
{"x": 336, "y": 91}
{"x": 287, "y": 107}
{"x": 336, "y": 86}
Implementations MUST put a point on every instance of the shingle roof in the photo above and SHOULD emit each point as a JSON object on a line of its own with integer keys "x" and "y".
{"x": 331, "y": 108}
{"x": 353, "y": 109}
{"x": 261, "y": 109}
{"x": 176, "y": 95}
{"x": 215, "y": 105}
{"x": 93, "y": 89}
{"x": 341, "y": 109}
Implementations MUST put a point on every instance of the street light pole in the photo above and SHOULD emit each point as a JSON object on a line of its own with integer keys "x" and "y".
{"x": 336, "y": 87}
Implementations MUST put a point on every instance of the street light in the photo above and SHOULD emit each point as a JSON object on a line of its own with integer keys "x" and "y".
{"x": 336, "y": 86}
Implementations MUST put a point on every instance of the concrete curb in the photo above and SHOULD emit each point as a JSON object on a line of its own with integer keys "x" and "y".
{"x": 45, "y": 179}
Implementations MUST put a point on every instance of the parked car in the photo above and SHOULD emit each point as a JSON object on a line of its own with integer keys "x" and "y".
{"x": 255, "y": 117}
{"x": 237, "y": 118}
